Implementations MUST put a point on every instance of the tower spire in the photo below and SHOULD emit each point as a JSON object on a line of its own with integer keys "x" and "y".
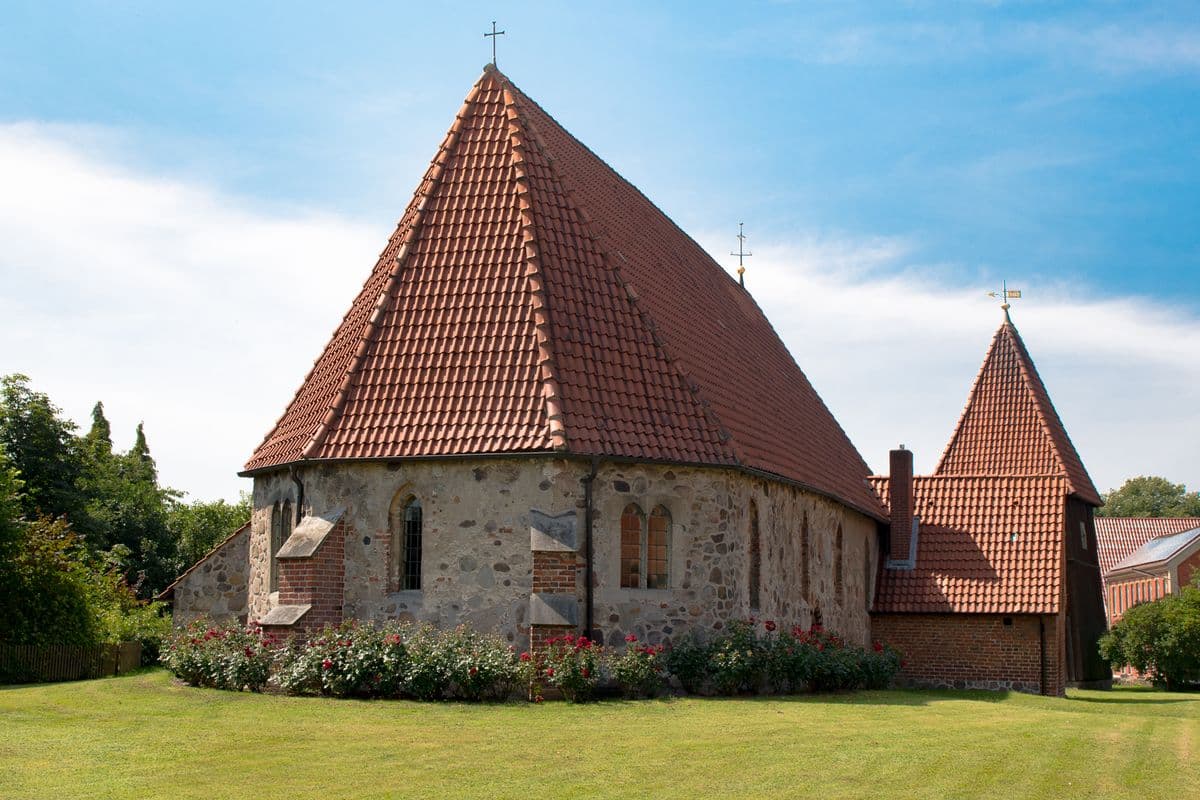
{"x": 1004, "y": 295}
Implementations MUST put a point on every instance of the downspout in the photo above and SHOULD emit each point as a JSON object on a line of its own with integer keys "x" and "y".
{"x": 587, "y": 482}
{"x": 1042, "y": 653}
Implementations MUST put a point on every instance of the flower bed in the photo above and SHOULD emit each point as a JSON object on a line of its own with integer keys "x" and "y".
{"x": 424, "y": 663}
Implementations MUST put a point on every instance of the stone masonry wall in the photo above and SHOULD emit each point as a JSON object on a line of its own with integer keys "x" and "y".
{"x": 974, "y": 651}
{"x": 216, "y": 585}
{"x": 478, "y": 567}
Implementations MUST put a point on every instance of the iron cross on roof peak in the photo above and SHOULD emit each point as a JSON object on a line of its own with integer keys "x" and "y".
{"x": 742, "y": 253}
{"x": 1005, "y": 294}
{"x": 493, "y": 36}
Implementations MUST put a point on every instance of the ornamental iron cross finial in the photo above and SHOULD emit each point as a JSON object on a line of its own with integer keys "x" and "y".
{"x": 742, "y": 253}
{"x": 493, "y": 36}
{"x": 1004, "y": 295}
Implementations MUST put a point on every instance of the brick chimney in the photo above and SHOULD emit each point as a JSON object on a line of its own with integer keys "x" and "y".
{"x": 900, "y": 497}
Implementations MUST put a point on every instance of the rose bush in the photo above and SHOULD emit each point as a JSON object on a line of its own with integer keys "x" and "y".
{"x": 640, "y": 669}
{"x": 219, "y": 656}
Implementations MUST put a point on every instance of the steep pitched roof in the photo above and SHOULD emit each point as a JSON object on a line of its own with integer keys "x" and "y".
{"x": 985, "y": 545}
{"x": 1118, "y": 537}
{"x": 533, "y": 300}
{"x": 1010, "y": 427}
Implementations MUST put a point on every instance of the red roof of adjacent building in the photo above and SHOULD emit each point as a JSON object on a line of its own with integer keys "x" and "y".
{"x": 532, "y": 300}
{"x": 1010, "y": 427}
{"x": 1119, "y": 537}
{"x": 985, "y": 545}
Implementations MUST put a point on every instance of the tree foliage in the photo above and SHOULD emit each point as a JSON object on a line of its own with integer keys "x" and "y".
{"x": 1159, "y": 639}
{"x": 1150, "y": 496}
{"x": 111, "y": 501}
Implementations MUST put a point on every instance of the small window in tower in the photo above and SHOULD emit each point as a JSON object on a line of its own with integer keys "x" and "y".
{"x": 1083, "y": 535}
{"x": 839, "y": 565}
{"x": 632, "y": 525}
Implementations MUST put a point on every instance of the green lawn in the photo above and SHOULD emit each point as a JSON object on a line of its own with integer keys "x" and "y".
{"x": 142, "y": 736}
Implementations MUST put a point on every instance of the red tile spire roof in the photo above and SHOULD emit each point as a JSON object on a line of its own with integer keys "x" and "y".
{"x": 532, "y": 300}
{"x": 1009, "y": 425}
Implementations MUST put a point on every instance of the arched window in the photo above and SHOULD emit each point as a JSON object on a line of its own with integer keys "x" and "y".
{"x": 276, "y": 543}
{"x": 287, "y": 524}
{"x": 405, "y": 546}
{"x": 755, "y": 549}
{"x": 839, "y": 581}
{"x": 804, "y": 556}
{"x": 632, "y": 524}
{"x": 658, "y": 540}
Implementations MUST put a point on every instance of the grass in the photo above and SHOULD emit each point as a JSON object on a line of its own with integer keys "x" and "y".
{"x": 143, "y": 736}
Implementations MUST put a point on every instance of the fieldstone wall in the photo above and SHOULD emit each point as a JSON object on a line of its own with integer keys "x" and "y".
{"x": 478, "y": 566}
{"x": 709, "y": 555}
{"x": 215, "y": 586}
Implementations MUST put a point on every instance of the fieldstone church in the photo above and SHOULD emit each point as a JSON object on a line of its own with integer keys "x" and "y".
{"x": 549, "y": 409}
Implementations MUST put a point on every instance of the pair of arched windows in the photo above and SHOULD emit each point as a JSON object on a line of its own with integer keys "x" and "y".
{"x": 404, "y": 550}
{"x": 645, "y": 548}
{"x": 282, "y": 522}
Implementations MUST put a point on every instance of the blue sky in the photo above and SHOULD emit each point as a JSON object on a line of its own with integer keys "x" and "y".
{"x": 908, "y": 152}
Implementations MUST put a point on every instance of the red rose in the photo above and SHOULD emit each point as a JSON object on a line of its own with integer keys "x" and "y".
{"x": 769, "y": 625}
{"x": 549, "y": 672}
{"x": 631, "y": 637}
{"x": 473, "y": 671}
{"x": 878, "y": 647}
{"x": 585, "y": 672}
{"x": 327, "y": 664}
{"x": 249, "y": 653}
{"x": 524, "y": 656}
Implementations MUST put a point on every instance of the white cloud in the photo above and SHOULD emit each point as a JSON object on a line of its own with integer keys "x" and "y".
{"x": 893, "y": 350}
{"x": 200, "y": 313}
{"x": 168, "y": 300}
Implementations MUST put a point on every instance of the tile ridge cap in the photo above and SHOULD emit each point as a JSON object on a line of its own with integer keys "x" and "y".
{"x": 693, "y": 386}
{"x": 424, "y": 191}
{"x": 519, "y": 133}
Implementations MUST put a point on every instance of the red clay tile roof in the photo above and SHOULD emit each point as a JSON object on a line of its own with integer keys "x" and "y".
{"x": 1010, "y": 427}
{"x": 533, "y": 300}
{"x": 968, "y": 560}
{"x": 1118, "y": 537}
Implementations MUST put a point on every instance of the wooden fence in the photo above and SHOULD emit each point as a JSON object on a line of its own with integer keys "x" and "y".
{"x": 65, "y": 662}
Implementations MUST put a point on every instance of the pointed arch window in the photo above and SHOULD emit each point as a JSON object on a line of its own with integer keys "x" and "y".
{"x": 805, "y": 586}
{"x": 405, "y": 541}
{"x": 632, "y": 524}
{"x": 755, "y": 578}
{"x": 645, "y": 548}
{"x": 839, "y": 580}
{"x": 275, "y": 544}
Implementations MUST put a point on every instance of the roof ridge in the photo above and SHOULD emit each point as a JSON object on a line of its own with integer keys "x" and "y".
{"x": 551, "y": 392}
{"x": 586, "y": 219}
{"x": 425, "y": 190}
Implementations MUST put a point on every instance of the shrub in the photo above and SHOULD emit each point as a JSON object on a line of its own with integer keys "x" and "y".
{"x": 736, "y": 660}
{"x": 351, "y": 660}
{"x": 789, "y": 662}
{"x": 430, "y": 668}
{"x": 879, "y": 666}
{"x": 482, "y": 666}
{"x": 570, "y": 664}
{"x": 219, "y": 656}
{"x": 1159, "y": 639}
{"x": 639, "y": 669}
{"x": 689, "y": 661}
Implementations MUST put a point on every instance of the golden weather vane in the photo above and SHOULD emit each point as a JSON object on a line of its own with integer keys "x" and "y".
{"x": 1005, "y": 294}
